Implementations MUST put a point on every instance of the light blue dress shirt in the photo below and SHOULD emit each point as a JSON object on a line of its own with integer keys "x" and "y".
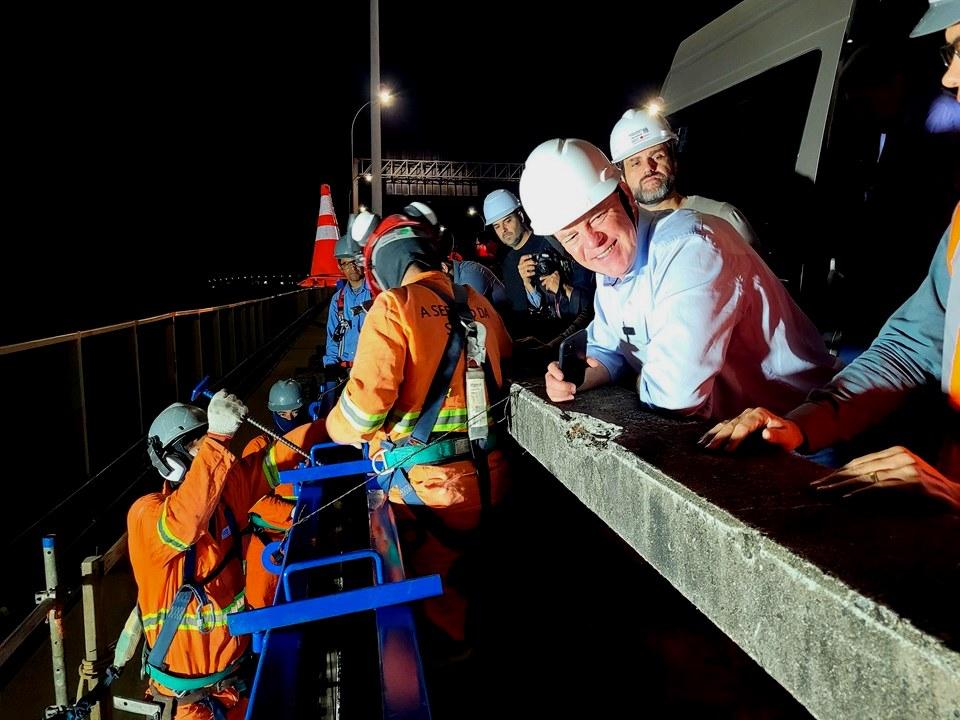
{"x": 706, "y": 325}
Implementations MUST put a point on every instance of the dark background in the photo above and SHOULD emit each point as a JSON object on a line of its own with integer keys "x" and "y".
{"x": 145, "y": 152}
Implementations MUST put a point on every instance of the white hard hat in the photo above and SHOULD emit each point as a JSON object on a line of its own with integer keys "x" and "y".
{"x": 638, "y": 130}
{"x": 498, "y": 204}
{"x": 418, "y": 210}
{"x": 562, "y": 180}
{"x": 939, "y": 16}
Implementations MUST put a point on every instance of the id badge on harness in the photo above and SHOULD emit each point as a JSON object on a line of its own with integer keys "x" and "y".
{"x": 477, "y": 401}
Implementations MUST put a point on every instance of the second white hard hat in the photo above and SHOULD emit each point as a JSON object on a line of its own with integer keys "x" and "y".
{"x": 638, "y": 130}
{"x": 562, "y": 180}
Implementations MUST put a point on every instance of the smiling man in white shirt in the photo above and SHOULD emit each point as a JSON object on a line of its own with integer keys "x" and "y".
{"x": 682, "y": 301}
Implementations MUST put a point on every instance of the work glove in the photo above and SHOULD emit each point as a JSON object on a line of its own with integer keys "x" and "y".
{"x": 225, "y": 413}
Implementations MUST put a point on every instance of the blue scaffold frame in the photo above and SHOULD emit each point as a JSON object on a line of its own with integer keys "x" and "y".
{"x": 278, "y": 631}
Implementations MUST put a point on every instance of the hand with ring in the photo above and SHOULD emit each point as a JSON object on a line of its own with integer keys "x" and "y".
{"x": 894, "y": 467}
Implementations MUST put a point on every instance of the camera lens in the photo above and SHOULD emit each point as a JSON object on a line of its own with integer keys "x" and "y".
{"x": 547, "y": 263}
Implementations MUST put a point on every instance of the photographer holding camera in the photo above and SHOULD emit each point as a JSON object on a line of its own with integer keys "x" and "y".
{"x": 546, "y": 279}
{"x": 551, "y": 296}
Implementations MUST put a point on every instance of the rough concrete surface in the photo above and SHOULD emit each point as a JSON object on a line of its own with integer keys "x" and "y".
{"x": 852, "y": 606}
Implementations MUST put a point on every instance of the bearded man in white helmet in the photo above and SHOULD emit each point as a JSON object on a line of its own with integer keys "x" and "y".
{"x": 645, "y": 146}
{"x": 681, "y": 300}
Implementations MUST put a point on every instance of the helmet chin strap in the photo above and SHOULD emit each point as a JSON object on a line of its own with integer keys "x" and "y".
{"x": 172, "y": 464}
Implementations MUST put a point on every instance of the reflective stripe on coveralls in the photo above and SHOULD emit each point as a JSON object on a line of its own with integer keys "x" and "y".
{"x": 401, "y": 345}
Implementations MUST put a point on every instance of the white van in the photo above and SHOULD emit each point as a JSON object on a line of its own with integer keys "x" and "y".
{"x": 814, "y": 118}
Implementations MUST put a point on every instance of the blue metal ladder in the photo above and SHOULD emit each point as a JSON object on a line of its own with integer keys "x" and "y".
{"x": 281, "y": 633}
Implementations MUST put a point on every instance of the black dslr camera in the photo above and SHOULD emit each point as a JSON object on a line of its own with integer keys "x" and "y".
{"x": 547, "y": 262}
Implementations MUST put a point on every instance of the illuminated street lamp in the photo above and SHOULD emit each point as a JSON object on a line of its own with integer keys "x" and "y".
{"x": 385, "y": 97}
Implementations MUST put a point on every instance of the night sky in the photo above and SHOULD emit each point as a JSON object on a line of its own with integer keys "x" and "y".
{"x": 145, "y": 152}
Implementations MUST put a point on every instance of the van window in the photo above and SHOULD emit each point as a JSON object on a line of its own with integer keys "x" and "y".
{"x": 740, "y": 146}
{"x": 890, "y": 179}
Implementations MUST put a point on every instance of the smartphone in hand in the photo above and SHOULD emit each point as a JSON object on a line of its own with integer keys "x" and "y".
{"x": 573, "y": 357}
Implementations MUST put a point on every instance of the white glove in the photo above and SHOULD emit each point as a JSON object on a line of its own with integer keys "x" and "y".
{"x": 225, "y": 413}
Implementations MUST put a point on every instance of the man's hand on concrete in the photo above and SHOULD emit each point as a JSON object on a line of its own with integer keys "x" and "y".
{"x": 728, "y": 435}
{"x": 559, "y": 390}
{"x": 895, "y": 467}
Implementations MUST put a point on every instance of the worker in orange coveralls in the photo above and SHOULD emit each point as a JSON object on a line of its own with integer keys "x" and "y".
{"x": 271, "y": 516}
{"x": 185, "y": 550}
{"x": 407, "y": 396}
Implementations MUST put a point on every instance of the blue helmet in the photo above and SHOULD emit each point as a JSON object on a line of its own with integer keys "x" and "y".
{"x": 498, "y": 204}
{"x": 287, "y": 396}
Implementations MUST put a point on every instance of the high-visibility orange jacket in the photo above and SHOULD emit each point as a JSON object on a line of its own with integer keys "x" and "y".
{"x": 951, "y": 335}
{"x": 256, "y": 445}
{"x": 162, "y": 525}
{"x": 271, "y": 516}
{"x": 398, "y": 354}
{"x": 951, "y": 363}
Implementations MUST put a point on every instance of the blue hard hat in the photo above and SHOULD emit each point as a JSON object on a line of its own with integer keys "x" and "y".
{"x": 285, "y": 395}
{"x": 498, "y": 204}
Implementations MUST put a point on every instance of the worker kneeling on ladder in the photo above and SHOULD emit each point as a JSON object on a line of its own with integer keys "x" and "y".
{"x": 271, "y": 515}
{"x": 185, "y": 551}
{"x": 427, "y": 371}
{"x": 288, "y": 405}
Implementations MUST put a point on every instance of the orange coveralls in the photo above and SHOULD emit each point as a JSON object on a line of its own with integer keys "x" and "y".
{"x": 398, "y": 354}
{"x": 271, "y": 514}
{"x": 162, "y": 525}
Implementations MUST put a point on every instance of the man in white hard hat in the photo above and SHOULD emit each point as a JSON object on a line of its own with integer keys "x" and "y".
{"x": 681, "y": 300}
{"x": 550, "y": 295}
{"x": 645, "y": 146}
{"x": 918, "y": 345}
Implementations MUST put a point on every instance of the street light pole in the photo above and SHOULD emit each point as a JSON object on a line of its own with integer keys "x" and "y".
{"x": 382, "y": 97}
{"x": 376, "y": 197}
{"x": 354, "y": 170}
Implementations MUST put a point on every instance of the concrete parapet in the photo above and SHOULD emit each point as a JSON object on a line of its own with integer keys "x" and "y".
{"x": 853, "y": 606}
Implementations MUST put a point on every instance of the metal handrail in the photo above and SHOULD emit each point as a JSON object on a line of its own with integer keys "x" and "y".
{"x": 77, "y": 335}
{"x": 157, "y": 357}
{"x": 250, "y": 332}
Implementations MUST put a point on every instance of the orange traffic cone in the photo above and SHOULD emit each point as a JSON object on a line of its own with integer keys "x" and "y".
{"x": 323, "y": 268}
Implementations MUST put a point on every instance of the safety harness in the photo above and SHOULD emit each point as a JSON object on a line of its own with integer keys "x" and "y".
{"x": 343, "y": 324}
{"x": 416, "y": 448}
{"x": 193, "y": 689}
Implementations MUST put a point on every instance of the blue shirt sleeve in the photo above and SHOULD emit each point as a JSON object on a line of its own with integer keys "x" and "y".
{"x": 695, "y": 309}
{"x": 906, "y": 354}
{"x": 481, "y": 279}
{"x": 603, "y": 343}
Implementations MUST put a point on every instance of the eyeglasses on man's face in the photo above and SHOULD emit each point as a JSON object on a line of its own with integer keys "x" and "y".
{"x": 949, "y": 51}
